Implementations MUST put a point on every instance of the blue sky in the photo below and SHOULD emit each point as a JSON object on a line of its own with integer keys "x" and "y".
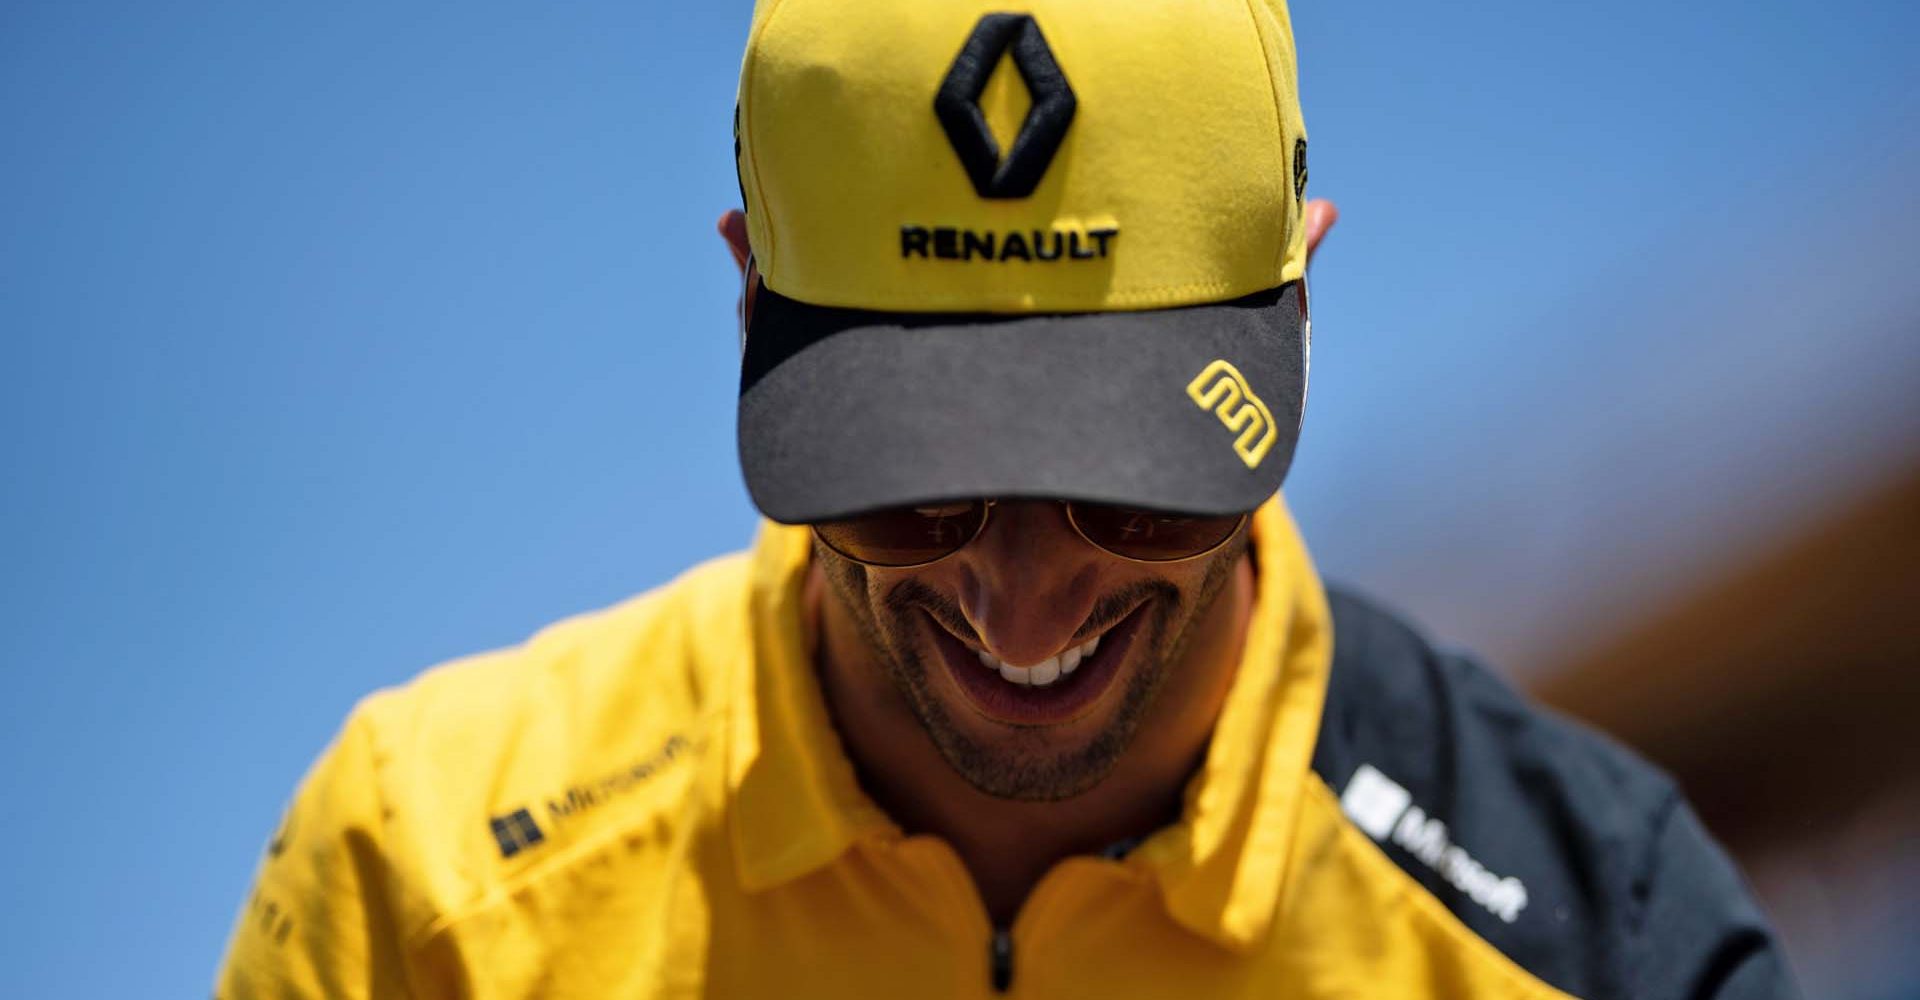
{"x": 339, "y": 340}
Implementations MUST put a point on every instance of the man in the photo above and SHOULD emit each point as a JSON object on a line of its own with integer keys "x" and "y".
{"x": 1031, "y": 689}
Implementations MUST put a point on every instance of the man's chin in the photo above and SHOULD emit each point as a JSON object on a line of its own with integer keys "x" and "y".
{"x": 1027, "y": 764}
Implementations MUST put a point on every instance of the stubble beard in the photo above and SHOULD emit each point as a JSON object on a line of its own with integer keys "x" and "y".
{"x": 1027, "y": 766}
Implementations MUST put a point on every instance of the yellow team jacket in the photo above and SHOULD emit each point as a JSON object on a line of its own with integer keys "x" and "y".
{"x": 650, "y": 801}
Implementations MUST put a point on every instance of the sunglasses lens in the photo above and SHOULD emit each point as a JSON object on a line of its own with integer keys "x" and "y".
{"x": 905, "y": 536}
{"x": 1152, "y": 536}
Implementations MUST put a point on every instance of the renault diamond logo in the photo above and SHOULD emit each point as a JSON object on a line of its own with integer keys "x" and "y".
{"x": 958, "y": 106}
{"x": 1221, "y": 389}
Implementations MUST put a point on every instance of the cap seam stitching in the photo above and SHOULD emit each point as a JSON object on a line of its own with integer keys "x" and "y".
{"x": 1280, "y": 126}
{"x": 1143, "y": 295}
{"x": 771, "y": 257}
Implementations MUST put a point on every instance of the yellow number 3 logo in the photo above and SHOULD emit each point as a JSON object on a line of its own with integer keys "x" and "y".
{"x": 1222, "y": 389}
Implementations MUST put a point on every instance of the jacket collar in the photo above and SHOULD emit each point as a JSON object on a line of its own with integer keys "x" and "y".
{"x": 797, "y": 804}
{"x": 1222, "y": 866}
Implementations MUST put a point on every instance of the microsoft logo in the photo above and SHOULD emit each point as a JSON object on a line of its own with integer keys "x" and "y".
{"x": 1374, "y": 801}
{"x": 516, "y": 831}
{"x": 1384, "y": 809}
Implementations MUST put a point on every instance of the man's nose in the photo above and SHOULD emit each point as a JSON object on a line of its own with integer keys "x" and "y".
{"x": 1028, "y": 582}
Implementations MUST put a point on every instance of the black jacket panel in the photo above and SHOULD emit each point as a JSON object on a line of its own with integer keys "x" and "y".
{"x": 1568, "y": 853}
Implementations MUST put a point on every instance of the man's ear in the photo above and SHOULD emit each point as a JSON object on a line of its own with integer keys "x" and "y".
{"x": 1321, "y": 215}
{"x": 733, "y": 229}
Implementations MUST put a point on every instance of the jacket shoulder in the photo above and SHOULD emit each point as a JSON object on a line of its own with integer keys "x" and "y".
{"x": 447, "y": 794}
{"x": 492, "y": 765}
{"x": 1544, "y": 838}
{"x": 647, "y": 662}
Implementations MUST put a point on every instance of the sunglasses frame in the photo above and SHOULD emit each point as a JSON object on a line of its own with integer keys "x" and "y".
{"x": 1071, "y": 520}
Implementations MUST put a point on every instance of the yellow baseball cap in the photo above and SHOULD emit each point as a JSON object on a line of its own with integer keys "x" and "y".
{"x": 1049, "y": 251}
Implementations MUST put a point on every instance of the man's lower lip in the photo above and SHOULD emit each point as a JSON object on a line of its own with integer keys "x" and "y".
{"x": 1062, "y": 701}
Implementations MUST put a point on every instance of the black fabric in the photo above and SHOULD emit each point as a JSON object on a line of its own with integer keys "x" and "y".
{"x": 1701, "y": 934}
{"x": 957, "y": 105}
{"x": 1626, "y": 895}
{"x": 845, "y": 410}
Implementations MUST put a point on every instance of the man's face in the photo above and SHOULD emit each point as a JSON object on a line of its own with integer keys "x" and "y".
{"x": 1027, "y": 590}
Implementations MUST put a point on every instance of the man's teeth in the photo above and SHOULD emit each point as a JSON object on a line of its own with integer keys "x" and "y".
{"x": 1046, "y": 671}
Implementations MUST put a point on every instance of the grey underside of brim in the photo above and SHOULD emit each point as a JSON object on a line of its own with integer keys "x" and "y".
{"x": 1091, "y": 406}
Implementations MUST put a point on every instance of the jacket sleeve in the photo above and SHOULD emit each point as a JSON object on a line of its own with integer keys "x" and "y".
{"x": 321, "y": 920}
{"x": 1702, "y": 936}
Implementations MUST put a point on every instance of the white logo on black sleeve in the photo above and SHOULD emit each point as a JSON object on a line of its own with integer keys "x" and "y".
{"x": 1374, "y": 801}
{"x": 1384, "y": 810}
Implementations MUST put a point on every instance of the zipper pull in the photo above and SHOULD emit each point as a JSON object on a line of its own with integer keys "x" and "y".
{"x": 1000, "y": 959}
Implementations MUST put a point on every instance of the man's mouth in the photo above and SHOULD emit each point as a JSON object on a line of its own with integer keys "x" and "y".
{"x": 1046, "y": 671}
{"x": 1055, "y": 690}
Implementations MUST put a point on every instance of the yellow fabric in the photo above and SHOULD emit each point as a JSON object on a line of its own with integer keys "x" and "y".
{"x": 1358, "y": 917}
{"x": 701, "y": 833}
{"x": 1184, "y": 140}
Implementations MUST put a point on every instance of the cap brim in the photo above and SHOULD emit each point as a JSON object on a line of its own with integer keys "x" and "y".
{"x": 1193, "y": 409}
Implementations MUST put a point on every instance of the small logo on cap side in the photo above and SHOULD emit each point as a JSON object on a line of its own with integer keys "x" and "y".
{"x": 1299, "y": 171}
{"x": 1221, "y": 389}
{"x": 957, "y": 104}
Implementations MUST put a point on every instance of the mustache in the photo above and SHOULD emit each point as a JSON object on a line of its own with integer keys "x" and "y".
{"x": 908, "y": 595}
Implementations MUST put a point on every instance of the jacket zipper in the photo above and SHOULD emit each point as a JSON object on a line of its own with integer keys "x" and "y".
{"x": 1000, "y": 960}
{"x": 999, "y": 939}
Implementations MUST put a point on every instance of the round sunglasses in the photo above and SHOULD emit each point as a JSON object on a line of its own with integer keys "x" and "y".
{"x": 906, "y": 537}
